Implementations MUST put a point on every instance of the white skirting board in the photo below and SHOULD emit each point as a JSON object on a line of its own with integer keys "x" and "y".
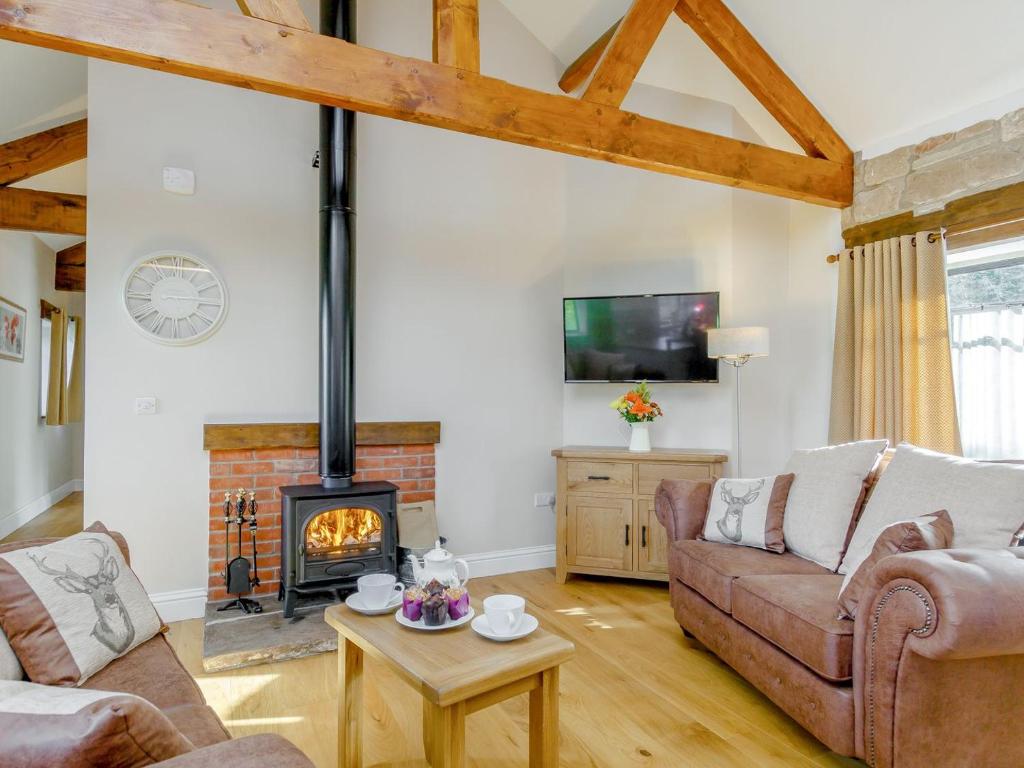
{"x": 33, "y": 509}
{"x": 191, "y": 603}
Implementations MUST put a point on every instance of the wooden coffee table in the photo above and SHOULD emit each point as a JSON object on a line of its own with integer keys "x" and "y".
{"x": 457, "y": 672}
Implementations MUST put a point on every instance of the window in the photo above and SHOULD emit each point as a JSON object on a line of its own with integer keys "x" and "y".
{"x": 986, "y": 303}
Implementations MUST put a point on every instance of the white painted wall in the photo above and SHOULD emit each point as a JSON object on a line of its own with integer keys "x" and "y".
{"x": 466, "y": 247}
{"x": 38, "y": 464}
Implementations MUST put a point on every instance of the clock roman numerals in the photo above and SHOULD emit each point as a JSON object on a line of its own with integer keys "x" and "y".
{"x": 174, "y": 298}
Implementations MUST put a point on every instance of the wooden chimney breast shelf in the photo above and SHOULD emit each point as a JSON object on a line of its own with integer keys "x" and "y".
{"x": 604, "y": 507}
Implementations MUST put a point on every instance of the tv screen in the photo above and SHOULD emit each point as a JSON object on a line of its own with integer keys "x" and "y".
{"x": 633, "y": 338}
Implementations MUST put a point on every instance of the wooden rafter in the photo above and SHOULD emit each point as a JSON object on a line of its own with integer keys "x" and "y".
{"x": 287, "y": 13}
{"x": 577, "y": 73}
{"x": 69, "y": 274}
{"x": 32, "y": 211}
{"x": 232, "y": 49}
{"x": 31, "y": 155}
{"x": 457, "y": 34}
{"x": 723, "y": 33}
{"x": 626, "y": 51}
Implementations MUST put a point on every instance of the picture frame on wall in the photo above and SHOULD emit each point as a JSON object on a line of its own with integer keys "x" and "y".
{"x": 13, "y": 327}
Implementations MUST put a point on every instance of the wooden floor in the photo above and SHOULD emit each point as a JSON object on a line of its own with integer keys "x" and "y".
{"x": 637, "y": 694}
{"x": 62, "y": 519}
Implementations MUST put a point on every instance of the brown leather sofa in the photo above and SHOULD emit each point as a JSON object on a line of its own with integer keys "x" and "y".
{"x": 154, "y": 672}
{"x": 930, "y": 674}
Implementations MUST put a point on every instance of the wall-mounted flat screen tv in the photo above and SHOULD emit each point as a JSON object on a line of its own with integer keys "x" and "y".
{"x": 657, "y": 337}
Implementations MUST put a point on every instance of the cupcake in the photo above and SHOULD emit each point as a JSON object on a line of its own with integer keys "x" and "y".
{"x": 412, "y": 603}
{"x": 435, "y": 611}
{"x": 458, "y": 602}
{"x": 434, "y": 587}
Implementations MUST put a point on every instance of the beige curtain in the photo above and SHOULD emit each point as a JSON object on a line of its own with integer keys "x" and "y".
{"x": 892, "y": 374}
{"x": 64, "y": 400}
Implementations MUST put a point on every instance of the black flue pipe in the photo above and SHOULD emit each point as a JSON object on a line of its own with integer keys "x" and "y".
{"x": 337, "y": 270}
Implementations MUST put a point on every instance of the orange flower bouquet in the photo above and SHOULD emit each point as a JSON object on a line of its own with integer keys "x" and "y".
{"x": 637, "y": 406}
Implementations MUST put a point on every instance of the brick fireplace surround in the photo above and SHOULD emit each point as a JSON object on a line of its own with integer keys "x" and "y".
{"x": 410, "y": 466}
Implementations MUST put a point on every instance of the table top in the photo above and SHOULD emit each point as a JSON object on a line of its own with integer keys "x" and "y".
{"x": 599, "y": 452}
{"x": 450, "y": 665}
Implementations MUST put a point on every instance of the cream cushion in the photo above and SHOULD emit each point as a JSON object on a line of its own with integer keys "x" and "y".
{"x": 984, "y": 500}
{"x": 827, "y": 491}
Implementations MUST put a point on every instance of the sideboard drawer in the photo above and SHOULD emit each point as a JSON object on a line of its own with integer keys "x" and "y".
{"x": 600, "y": 476}
{"x": 649, "y": 475}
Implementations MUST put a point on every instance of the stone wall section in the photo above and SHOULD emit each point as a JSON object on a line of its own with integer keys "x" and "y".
{"x": 924, "y": 177}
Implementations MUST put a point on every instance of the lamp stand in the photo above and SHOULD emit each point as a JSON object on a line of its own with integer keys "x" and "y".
{"x": 738, "y": 362}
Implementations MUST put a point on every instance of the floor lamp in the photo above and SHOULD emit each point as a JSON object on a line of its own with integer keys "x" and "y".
{"x": 736, "y": 346}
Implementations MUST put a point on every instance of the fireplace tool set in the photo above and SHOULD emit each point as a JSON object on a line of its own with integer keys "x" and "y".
{"x": 240, "y": 575}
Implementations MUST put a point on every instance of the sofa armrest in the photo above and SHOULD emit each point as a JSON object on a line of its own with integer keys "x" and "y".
{"x": 973, "y": 600}
{"x": 933, "y": 626}
{"x": 682, "y": 506}
{"x": 261, "y": 751}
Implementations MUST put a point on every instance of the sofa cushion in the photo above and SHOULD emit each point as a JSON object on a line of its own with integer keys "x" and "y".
{"x": 151, "y": 671}
{"x": 748, "y": 512}
{"x": 44, "y": 726}
{"x": 984, "y": 500}
{"x": 798, "y": 614}
{"x": 198, "y": 723}
{"x": 710, "y": 568}
{"x": 71, "y": 607}
{"x": 263, "y": 750}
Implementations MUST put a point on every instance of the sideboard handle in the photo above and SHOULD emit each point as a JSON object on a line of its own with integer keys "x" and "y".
{"x": 598, "y": 477}
{"x": 627, "y": 534}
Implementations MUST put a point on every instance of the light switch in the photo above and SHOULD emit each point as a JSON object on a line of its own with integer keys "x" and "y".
{"x": 145, "y": 406}
{"x": 179, "y": 181}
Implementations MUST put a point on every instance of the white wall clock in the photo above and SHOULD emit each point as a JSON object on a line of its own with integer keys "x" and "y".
{"x": 174, "y": 298}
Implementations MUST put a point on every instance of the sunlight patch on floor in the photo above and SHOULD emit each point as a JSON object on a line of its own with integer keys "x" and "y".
{"x": 584, "y": 613}
{"x": 258, "y": 722}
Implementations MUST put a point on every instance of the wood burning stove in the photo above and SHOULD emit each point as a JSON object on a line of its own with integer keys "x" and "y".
{"x": 337, "y": 531}
{"x": 333, "y": 536}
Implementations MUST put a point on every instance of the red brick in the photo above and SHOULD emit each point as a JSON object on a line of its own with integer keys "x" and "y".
{"x": 373, "y": 474}
{"x": 427, "y": 460}
{"x": 253, "y": 468}
{"x": 406, "y": 485}
{"x": 410, "y": 497}
{"x": 418, "y": 472}
{"x": 307, "y": 453}
{"x": 230, "y": 483}
{"x": 378, "y": 450}
{"x": 296, "y": 465}
{"x": 379, "y": 462}
{"x": 308, "y": 479}
{"x": 426, "y": 485}
{"x": 418, "y": 449}
{"x": 219, "y": 470}
{"x": 273, "y": 454}
{"x": 230, "y": 456}
{"x": 274, "y": 481}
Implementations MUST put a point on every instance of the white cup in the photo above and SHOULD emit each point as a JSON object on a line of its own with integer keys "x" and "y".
{"x": 376, "y": 590}
{"x": 504, "y": 613}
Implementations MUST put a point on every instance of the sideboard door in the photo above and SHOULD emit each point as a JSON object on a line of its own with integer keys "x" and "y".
{"x": 601, "y": 532}
{"x": 652, "y": 539}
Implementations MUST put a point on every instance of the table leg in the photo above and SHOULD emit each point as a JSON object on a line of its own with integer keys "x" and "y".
{"x": 444, "y": 735}
{"x": 544, "y": 721}
{"x": 350, "y": 705}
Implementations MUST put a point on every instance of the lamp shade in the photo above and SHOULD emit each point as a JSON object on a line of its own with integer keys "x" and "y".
{"x": 738, "y": 343}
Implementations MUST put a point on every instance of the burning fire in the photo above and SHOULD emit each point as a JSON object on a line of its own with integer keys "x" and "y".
{"x": 343, "y": 527}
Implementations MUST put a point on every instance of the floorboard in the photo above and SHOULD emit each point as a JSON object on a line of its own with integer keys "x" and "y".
{"x": 62, "y": 519}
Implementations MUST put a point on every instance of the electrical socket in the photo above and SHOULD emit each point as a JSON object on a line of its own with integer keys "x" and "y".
{"x": 541, "y": 500}
{"x": 145, "y": 406}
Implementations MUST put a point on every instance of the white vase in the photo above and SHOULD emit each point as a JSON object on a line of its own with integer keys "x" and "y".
{"x": 639, "y": 437}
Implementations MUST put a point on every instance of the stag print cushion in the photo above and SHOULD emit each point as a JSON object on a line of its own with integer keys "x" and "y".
{"x": 926, "y": 532}
{"x": 985, "y": 500}
{"x": 748, "y": 512}
{"x": 71, "y": 607}
{"x": 83, "y": 728}
{"x": 826, "y": 497}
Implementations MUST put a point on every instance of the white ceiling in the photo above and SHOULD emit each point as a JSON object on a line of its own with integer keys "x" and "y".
{"x": 881, "y": 72}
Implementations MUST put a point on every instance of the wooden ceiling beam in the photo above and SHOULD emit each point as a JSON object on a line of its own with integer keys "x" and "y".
{"x": 626, "y": 51}
{"x": 31, "y": 155}
{"x": 31, "y": 211}
{"x": 287, "y": 13}
{"x": 69, "y": 274}
{"x": 235, "y": 50}
{"x": 723, "y": 33}
{"x": 457, "y": 34}
{"x": 577, "y": 73}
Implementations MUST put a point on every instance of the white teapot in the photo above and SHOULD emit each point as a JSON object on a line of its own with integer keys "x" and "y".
{"x": 442, "y": 565}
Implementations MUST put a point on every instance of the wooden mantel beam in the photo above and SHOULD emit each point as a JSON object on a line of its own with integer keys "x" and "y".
{"x": 236, "y": 50}
{"x": 457, "y": 34}
{"x": 31, "y": 211}
{"x": 723, "y": 33}
{"x": 626, "y": 51}
{"x": 31, "y": 155}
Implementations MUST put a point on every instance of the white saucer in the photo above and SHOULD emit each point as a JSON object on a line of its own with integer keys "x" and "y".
{"x": 448, "y": 623}
{"x": 526, "y": 626}
{"x": 355, "y": 602}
